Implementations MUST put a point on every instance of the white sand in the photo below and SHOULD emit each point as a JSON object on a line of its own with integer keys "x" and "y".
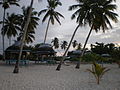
{"x": 45, "y": 77}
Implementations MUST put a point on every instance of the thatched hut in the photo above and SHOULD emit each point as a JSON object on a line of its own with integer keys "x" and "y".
{"x": 45, "y": 51}
{"x": 12, "y": 52}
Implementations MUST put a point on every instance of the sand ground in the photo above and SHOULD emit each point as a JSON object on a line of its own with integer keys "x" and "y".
{"x": 45, "y": 77}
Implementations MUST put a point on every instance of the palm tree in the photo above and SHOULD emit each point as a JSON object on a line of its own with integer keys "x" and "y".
{"x": 51, "y": 14}
{"x": 11, "y": 26}
{"x": 6, "y": 4}
{"x": 55, "y": 42}
{"x": 29, "y": 36}
{"x": 16, "y": 69}
{"x": 98, "y": 71}
{"x": 96, "y": 13}
{"x": 31, "y": 27}
{"x": 74, "y": 43}
{"x": 79, "y": 46}
{"x": 64, "y": 45}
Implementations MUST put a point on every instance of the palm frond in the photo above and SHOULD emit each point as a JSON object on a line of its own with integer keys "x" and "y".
{"x": 42, "y": 11}
{"x": 46, "y": 16}
{"x": 74, "y": 7}
{"x": 59, "y": 14}
{"x": 57, "y": 19}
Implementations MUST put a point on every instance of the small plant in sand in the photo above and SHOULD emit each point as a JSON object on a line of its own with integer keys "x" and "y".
{"x": 98, "y": 71}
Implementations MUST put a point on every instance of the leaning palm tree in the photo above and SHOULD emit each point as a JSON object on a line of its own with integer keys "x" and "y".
{"x": 51, "y": 14}
{"x": 6, "y": 4}
{"x": 96, "y": 13}
{"x": 11, "y": 26}
{"x": 16, "y": 69}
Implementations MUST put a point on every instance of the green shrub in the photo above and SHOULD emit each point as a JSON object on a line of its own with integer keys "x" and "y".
{"x": 91, "y": 57}
{"x": 74, "y": 59}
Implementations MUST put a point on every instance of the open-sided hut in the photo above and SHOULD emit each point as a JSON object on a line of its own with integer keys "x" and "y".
{"x": 45, "y": 51}
{"x": 12, "y": 52}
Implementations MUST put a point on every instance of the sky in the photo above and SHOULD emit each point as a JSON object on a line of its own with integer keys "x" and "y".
{"x": 65, "y": 30}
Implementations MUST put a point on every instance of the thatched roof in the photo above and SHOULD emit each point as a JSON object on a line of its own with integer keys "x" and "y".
{"x": 46, "y": 49}
{"x": 76, "y": 52}
{"x": 16, "y": 47}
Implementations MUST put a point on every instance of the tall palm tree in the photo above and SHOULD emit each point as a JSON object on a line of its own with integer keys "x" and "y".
{"x": 11, "y": 26}
{"x": 31, "y": 27}
{"x": 51, "y": 14}
{"x": 55, "y": 42}
{"x": 96, "y": 13}
{"x": 6, "y": 4}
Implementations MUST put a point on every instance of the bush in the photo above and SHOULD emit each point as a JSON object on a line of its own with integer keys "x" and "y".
{"x": 74, "y": 59}
{"x": 92, "y": 57}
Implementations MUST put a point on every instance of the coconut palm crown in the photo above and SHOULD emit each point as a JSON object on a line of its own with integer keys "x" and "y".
{"x": 6, "y": 4}
{"x": 96, "y": 13}
{"x": 55, "y": 42}
{"x": 12, "y": 25}
{"x": 31, "y": 27}
{"x": 51, "y": 14}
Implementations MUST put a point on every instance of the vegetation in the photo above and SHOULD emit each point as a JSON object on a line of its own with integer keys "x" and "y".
{"x": 88, "y": 14}
{"x": 11, "y": 26}
{"x": 64, "y": 45}
{"x": 97, "y": 14}
{"x": 6, "y": 4}
{"x": 101, "y": 48}
{"x": 51, "y": 14}
{"x": 98, "y": 71}
{"x": 31, "y": 27}
{"x": 92, "y": 57}
{"x": 55, "y": 42}
{"x": 16, "y": 69}
{"x": 116, "y": 56}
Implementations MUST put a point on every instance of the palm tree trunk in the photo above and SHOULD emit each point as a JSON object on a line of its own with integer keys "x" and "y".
{"x": 59, "y": 65}
{"x": 9, "y": 41}
{"x": 47, "y": 30}
{"x": 3, "y": 35}
{"x": 16, "y": 69}
{"x": 78, "y": 64}
{"x": 98, "y": 80}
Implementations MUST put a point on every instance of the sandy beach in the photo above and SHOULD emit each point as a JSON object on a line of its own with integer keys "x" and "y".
{"x": 45, "y": 77}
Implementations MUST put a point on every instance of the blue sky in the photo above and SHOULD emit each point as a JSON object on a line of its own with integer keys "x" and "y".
{"x": 64, "y": 31}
